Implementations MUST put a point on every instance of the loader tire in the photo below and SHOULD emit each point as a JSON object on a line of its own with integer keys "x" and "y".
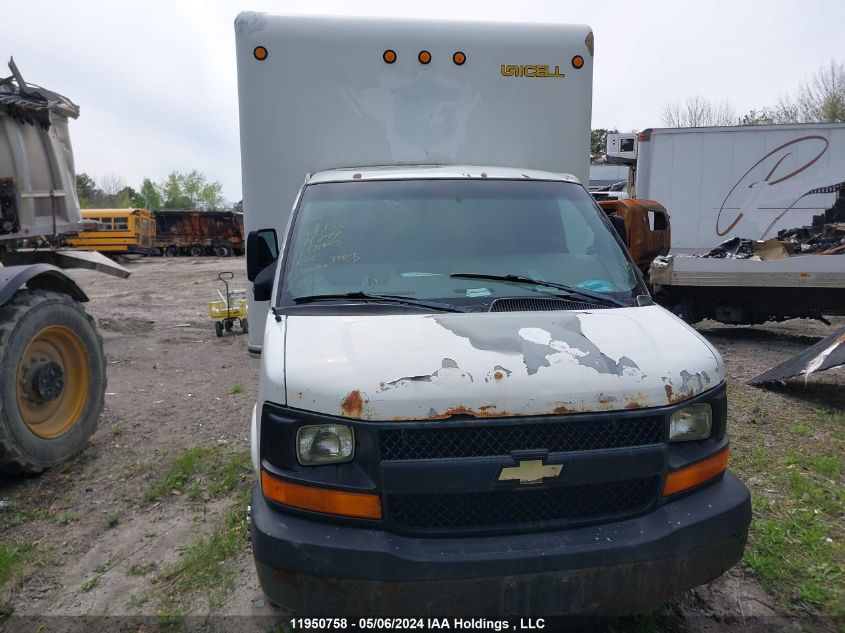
{"x": 52, "y": 380}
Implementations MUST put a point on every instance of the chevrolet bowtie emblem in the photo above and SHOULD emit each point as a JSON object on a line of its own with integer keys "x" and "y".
{"x": 531, "y": 471}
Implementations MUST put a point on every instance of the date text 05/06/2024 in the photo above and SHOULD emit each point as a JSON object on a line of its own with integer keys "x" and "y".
{"x": 419, "y": 624}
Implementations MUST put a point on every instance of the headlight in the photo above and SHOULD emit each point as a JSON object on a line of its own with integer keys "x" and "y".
{"x": 324, "y": 444}
{"x": 691, "y": 423}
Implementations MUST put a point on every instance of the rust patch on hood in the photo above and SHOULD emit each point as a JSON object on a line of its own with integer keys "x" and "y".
{"x": 562, "y": 410}
{"x": 634, "y": 405}
{"x": 352, "y": 406}
{"x": 669, "y": 393}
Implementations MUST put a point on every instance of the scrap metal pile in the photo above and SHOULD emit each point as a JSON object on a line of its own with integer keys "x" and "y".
{"x": 825, "y": 236}
{"x": 28, "y": 103}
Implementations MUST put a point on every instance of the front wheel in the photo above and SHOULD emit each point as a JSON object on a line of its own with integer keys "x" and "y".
{"x": 244, "y": 326}
{"x": 54, "y": 379}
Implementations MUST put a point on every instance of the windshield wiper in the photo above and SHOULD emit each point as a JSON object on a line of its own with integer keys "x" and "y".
{"x": 570, "y": 291}
{"x": 366, "y": 296}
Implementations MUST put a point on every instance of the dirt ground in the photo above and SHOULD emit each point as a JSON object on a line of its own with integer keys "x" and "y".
{"x": 100, "y": 549}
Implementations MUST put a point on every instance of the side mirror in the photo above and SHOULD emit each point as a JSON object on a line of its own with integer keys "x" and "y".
{"x": 262, "y": 250}
{"x": 262, "y": 286}
{"x": 619, "y": 224}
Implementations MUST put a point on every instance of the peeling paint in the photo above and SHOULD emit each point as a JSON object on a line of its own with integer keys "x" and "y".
{"x": 498, "y": 374}
{"x": 538, "y": 340}
{"x": 448, "y": 372}
{"x": 432, "y": 367}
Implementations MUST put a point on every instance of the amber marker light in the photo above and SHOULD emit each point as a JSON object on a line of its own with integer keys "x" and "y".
{"x": 359, "y": 505}
{"x": 389, "y": 56}
{"x": 697, "y": 473}
{"x": 424, "y": 57}
{"x": 260, "y": 53}
{"x": 459, "y": 58}
{"x": 577, "y": 62}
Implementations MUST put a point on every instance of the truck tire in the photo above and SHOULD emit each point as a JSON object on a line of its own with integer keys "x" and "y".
{"x": 685, "y": 310}
{"x": 196, "y": 251}
{"x": 53, "y": 374}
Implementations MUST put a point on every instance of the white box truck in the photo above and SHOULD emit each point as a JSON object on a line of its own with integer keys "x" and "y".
{"x": 468, "y": 403}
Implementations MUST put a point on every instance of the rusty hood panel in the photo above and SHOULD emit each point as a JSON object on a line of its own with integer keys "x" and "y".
{"x": 418, "y": 367}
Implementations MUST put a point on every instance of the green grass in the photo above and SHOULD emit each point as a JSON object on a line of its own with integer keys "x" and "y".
{"x": 94, "y": 581}
{"x": 237, "y": 389}
{"x": 113, "y": 520}
{"x": 14, "y": 561}
{"x": 794, "y": 468}
{"x": 140, "y": 569}
{"x": 136, "y": 600}
{"x": 206, "y": 566}
{"x": 200, "y": 471}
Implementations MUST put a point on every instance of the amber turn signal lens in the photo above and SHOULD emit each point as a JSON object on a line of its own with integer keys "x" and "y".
{"x": 697, "y": 473}
{"x": 389, "y": 56}
{"x": 577, "y": 61}
{"x": 349, "y": 504}
{"x": 424, "y": 57}
{"x": 459, "y": 58}
{"x": 260, "y": 53}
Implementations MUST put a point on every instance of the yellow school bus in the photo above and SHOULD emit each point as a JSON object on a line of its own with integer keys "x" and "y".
{"x": 122, "y": 231}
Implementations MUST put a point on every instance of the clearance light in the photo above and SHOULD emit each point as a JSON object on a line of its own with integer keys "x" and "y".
{"x": 260, "y": 53}
{"x": 349, "y": 504}
{"x": 389, "y": 56}
{"x": 698, "y": 473}
{"x": 459, "y": 58}
{"x": 577, "y": 62}
{"x": 424, "y": 57}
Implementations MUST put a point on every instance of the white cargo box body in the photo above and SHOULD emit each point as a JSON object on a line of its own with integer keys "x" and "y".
{"x": 324, "y": 97}
{"x": 746, "y": 181}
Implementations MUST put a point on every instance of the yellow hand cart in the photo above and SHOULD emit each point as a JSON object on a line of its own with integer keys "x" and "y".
{"x": 233, "y": 307}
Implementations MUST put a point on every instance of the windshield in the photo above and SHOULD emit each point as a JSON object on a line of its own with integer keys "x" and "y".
{"x": 406, "y": 237}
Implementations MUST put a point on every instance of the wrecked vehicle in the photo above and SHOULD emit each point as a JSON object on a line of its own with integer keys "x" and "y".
{"x": 468, "y": 402}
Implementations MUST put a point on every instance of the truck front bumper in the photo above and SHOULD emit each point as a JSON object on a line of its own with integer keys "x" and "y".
{"x": 313, "y": 568}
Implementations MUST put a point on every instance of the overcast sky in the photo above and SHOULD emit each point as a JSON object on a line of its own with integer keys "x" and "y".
{"x": 156, "y": 78}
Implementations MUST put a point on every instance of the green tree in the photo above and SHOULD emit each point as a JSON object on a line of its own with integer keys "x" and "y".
{"x": 87, "y": 191}
{"x": 211, "y": 196}
{"x": 191, "y": 190}
{"x": 192, "y": 184}
{"x": 763, "y": 116}
{"x": 172, "y": 192}
{"x": 126, "y": 198}
{"x": 598, "y": 142}
{"x": 821, "y": 99}
{"x": 149, "y": 197}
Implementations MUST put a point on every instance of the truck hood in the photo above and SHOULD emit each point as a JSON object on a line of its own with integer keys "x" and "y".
{"x": 428, "y": 367}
